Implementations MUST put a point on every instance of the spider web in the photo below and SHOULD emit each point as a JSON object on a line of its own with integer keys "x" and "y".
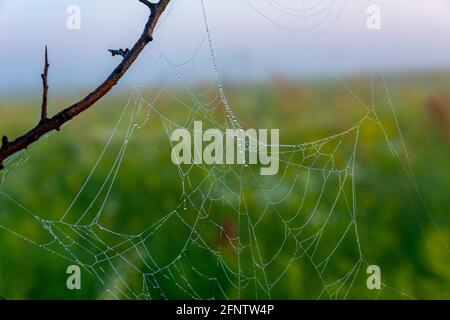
{"x": 231, "y": 233}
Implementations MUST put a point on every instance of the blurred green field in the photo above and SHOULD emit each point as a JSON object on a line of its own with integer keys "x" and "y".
{"x": 402, "y": 199}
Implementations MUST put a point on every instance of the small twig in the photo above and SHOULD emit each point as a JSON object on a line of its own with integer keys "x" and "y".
{"x": 119, "y": 52}
{"x": 44, "y": 77}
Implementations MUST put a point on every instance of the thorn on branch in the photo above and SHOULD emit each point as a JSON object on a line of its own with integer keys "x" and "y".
{"x": 44, "y": 77}
{"x": 119, "y": 52}
{"x": 5, "y": 142}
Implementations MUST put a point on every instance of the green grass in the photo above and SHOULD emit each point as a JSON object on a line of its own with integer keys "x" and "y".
{"x": 402, "y": 214}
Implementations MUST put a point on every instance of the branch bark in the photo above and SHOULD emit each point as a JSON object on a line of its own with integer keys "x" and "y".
{"x": 43, "y": 127}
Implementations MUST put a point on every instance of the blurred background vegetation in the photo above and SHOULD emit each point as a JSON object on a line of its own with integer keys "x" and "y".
{"x": 402, "y": 228}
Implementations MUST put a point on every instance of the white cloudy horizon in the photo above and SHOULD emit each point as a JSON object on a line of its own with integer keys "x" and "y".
{"x": 253, "y": 39}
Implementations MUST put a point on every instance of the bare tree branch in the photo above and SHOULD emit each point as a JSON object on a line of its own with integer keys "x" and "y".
{"x": 9, "y": 148}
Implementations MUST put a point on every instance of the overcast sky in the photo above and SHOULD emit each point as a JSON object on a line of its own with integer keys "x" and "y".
{"x": 252, "y": 39}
